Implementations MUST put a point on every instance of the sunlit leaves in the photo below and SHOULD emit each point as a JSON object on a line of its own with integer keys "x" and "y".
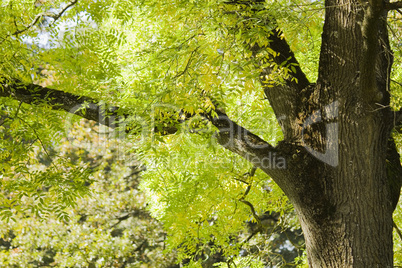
{"x": 160, "y": 61}
{"x": 195, "y": 189}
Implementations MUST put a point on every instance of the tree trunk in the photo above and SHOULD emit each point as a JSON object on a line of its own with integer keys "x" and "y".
{"x": 337, "y": 144}
{"x": 345, "y": 210}
{"x": 355, "y": 230}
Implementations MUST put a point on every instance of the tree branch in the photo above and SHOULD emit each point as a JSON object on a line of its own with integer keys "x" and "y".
{"x": 297, "y": 80}
{"x": 57, "y": 16}
{"x": 284, "y": 97}
{"x": 241, "y": 141}
{"x": 140, "y": 213}
{"x": 84, "y": 107}
{"x": 230, "y": 135}
{"x": 45, "y": 14}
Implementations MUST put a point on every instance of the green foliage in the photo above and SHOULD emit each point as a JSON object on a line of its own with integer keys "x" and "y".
{"x": 155, "y": 59}
{"x": 28, "y": 134}
{"x": 396, "y": 43}
{"x": 398, "y": 237}
{"x": 109, "y": 228}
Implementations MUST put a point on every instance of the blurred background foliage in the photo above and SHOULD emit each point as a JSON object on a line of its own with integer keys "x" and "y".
{"x": 110, "y": 227}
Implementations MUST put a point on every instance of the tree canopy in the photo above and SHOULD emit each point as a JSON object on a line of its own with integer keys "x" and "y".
{"x": 210, "y": 96}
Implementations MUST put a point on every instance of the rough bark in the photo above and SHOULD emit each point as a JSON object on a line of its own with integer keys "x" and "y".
{"x": 346, "y": 211}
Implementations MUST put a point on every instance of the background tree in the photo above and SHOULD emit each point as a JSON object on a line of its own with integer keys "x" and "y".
{"x": 173, "y": 83}
{"x": 109, "y": 228}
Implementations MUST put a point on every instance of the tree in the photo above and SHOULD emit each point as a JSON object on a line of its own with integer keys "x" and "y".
{"x": 185, "y": 72}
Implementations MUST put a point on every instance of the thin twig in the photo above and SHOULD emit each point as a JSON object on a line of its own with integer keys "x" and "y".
{"x": 188, "y": 63}
{"x": 120, "y": 219}
{"x": 397, "y": 230}
{"x": 40, "y": 141}
{"x": 256, "y": 217}
{"x": 18, "y": 109}
{"x": 396, "y": 82}
{"x": 55, "y": 17}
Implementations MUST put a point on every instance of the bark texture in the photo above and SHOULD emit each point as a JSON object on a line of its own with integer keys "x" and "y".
{"x": 340, "y": 140}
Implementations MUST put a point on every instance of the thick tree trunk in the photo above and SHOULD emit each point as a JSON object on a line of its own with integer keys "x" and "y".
{"x": 345, "y": 210}
{"x": 337, "y": 144}
{"x": 339, "y": 186}
{"x": 356, "y": 230}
